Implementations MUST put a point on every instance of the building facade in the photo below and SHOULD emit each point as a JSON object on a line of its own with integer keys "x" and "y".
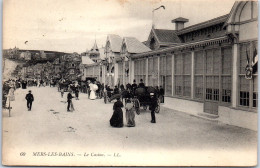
{"x": 207, "y": 69}
{"x": 206, "y": 73}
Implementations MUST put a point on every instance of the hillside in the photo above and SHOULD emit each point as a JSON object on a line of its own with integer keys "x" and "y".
{"x": 9, "y": 67}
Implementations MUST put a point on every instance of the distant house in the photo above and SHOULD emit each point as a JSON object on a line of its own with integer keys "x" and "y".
{"x": 129, "y": 47}
{"x": 42, "y": 54}
{"x": 26, "y": 55}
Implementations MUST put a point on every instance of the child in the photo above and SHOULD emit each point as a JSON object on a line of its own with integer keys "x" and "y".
{"x": 62, "y": 92}
{"x": 130, "y": 115}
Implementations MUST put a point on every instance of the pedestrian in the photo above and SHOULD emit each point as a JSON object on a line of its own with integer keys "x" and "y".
{"x": 69, "y": 100}
{"x": 24, "y": 84}
{"x": 77, "y": 93}
{"x": 117, "y": 117}
{"x": 41, "y": 83}
{"x": 62, "y": 92}
{"x": 134, "y": 86}
{"x": 130, "y": 115}
{"x": 161, "y": 94}
{"x": 88, "y": 88}
{"x": 116, "y": 90}
{"x": 153, "y": 106}
{"x": 141, "y": 84}
{"x": 29, "y": 97}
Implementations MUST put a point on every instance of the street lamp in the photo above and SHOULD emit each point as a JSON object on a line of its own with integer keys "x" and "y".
{"x": 162, "y": 6}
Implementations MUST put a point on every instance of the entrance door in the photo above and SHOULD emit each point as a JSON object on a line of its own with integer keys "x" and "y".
{"x": 212, "y": 95}
{"x": 212, "y": 81}
{"x": 163, "y": 82}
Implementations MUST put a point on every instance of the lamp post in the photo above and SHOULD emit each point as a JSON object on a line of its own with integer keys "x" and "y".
{"x": 162, "y": 6}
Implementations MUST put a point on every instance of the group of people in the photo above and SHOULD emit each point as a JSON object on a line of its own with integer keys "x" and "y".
{"x": 74, "y": 87}
{"x": 117, "y": 118}
{"x": 93, "y": 89}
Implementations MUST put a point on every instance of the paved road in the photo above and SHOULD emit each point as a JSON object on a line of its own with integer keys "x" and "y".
{"x": 176, "y": 138}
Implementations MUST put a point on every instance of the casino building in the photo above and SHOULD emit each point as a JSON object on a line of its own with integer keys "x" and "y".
{"x": 207, "y": 69}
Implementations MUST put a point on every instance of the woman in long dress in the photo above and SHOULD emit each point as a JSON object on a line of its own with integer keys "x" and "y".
{"x": 117, "y": 117}
{"x": 130, "y": 115}
{"x": 92, "y": 95}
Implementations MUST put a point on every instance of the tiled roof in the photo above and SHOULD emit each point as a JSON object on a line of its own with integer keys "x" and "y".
{"x": 201, "y": 25}
{"x": 86, "y": 60}
{"x": 166, "y": 36}
{"x": 135, "y": 46}
{"x": 115, "y": 42}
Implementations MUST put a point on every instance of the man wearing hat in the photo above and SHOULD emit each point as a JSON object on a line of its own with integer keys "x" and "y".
{"x": 69, "y": 100}
{"x": 153, "y": 106}
{"x": 134, "y": 86}
{"x": 141, "y": 84}
{"x": 29, "y": 97}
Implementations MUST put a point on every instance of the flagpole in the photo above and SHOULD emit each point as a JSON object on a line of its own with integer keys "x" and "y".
{"x": 162, "y": 6}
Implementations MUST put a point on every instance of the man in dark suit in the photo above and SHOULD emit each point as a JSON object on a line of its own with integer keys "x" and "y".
{"x": 29, "y": 97}
{"x": 134, "y": 86}
{"x": 141, "y": 84}
{"x": 161, "y": 94}
{"x": 153, "y": 106}
{"x": 69, "y": 100}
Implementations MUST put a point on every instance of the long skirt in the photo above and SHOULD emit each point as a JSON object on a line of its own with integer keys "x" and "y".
{"x": 117, "y": 118}
{"x": 130, "y": 118}
{"x": 72, "y": 107}
{"x": 92, "y": 95}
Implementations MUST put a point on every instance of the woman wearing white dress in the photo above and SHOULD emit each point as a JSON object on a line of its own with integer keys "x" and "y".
{"x": 92, "y": 95}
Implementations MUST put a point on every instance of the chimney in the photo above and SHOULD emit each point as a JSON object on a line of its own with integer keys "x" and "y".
{"x": 179, "y": 23}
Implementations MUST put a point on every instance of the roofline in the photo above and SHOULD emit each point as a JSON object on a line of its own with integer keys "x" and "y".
{"x": 160, "y": 42}
{"x": 109, "y": 39}
{"x": 155, "y": 35}
{"x": 179, "y": 46}
{"x": 201, "y": 25}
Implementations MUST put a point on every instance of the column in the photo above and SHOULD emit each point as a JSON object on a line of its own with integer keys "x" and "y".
{"x": 158, "y": 75}
{"x": 146, "y": 72}
{"x": 123, "y": 73}
{"x": 192, "y": 74}
{"x": 234, "y": 97}
{"x": 115, "y": 74}
{"x": 103, "y": 74}
{"x": 132, "y": 70}
{"x": 173, "y": 81}
{"x": 93, "y": 71}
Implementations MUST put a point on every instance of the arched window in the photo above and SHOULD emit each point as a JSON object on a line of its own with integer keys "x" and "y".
{"x": 152, "y": 43}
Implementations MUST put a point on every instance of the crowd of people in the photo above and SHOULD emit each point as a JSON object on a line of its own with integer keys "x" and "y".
{"x": 94, "y": 89}
{"x": 117, "y": 117}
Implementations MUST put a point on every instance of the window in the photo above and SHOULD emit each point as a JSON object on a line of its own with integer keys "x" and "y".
{"x": 140, "y": 66}
{"x": 212, "y": 57}
{"x": 199, "y": 71}
{"x": 248, "y": 87}
{"x": 183, "y": 74}
{"x": 226, "y": 74}
{"x": 153, "y": 44}
{"x": 168, "y": 89}
{"x": 166, "y": 73}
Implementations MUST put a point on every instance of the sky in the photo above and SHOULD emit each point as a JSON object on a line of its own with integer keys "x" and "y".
{"x": 74, "y": 25}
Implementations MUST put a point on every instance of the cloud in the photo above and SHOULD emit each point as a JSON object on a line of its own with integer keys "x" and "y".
{"x": 61, "y": 24}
